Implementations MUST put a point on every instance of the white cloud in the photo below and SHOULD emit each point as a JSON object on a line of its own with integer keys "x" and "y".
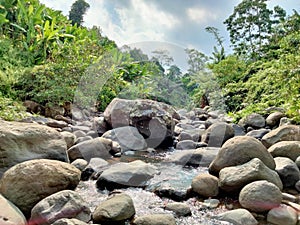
{"x": 201, "y": 15}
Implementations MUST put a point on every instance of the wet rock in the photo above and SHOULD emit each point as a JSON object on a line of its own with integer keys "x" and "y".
{"x": 253, "y": 120}
{"x": 98, "y": 147}
{"x": 287, "y": 170}
{"x": 117, "y": 208}
{"x": 10, "y": 214}
{"x": 154, "y": 120}
{"x": 27, "y": 183}
{"x": 128, "y": 138}
{"x": 180, "y": 209}
{"x": 239, "y": 150}
{"x": 25, "y": 141}
{"x": 186, "y": 144}
{"x": 290, "y": 149}
{"x": 274, "y": 118}
{"x": 199, "y": 157}
{"x": 258, "y": 134}
{"x": 233, "y": 178}
{"x": 217, "y": 134}
{"x": 283, "y": 215}
{"x": 63, "y": 204}
{"x": 260, "y": 196}
{"x": 238, "y": 217}
{"x": 133, "y": 174}
{"x": 65, "y": 221}
{"x": 282, "y": 133}
{"x": 155, "y": 219}
{"x": 205, "y": 185}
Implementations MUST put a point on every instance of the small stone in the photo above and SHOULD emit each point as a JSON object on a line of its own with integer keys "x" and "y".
{"x": 282, "y": 215}
{"x": 205, "y": 185}
{"x": 180, "y": 209}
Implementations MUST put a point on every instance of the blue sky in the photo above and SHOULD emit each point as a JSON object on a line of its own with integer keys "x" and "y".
{"x": 162, "y": 24}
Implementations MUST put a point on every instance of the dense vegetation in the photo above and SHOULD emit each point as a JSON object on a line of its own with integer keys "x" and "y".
{"x": 50, "y": 59}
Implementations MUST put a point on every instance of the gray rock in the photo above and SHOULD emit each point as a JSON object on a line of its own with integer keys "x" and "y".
{"x": 287, "y": 170}
{"x": 285, "y": 121}
{"x": 282, "y": 133}
{"x": 253, "y": 120}
{"x": 186, "y": 144}
{"x": 25, "y": 141}
{"x": 290, "y": 149}
{"x": 79, "y": 133}
{"x": 184, "y": 136}
{"x": 239, "y": 150}
{"x": 133, "y": 174}
{"x": 10, "y": 214}
{"x": 258, "y": 134}
{"x": 233, "y": 178}
{"x": 198, "y": 157}
{"x": 217, "y": 134}
{"x": 155, "y": 219}
{"x": 205, "y": 185}
{"x": 63, "y": 204}
{"x": 99, "y": 125}
{"x": 117, "y": 208}
{"x": 180, "y": 209}
{"x": 260, "y": 196}
{"x": 237, "y": 217}
{"x": 283, "y": 215}
{"x": 97, "y": 147}
{"x": 154, "y": 120}
{"x": 69, "y": 138}
{"x": 65, "y": 221}
{"x": 238, "y": 130}
{"x": 29, "y": 182}
{"x": 82, "y": 139}
{"x": 80, "y": 164}
{"x": 128, "y": 138}
{"x": 274, "y": 118}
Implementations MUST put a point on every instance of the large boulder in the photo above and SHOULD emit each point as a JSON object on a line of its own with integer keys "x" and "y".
{"x": 290, "y": 149}
{"x": 20, "y": 142}
{"x": 233, "y": 178}
{"x": 63, "y": 204}
{"x": 217, "y": 134}
{"x": 254, "y": 120}
{"x": 237, "y": 217}
{"x": 154, "y": 120}
{"x": 133, "y": 174}
{"x": 98, "y": 147}
{"x": 128, "y": 138}
{"x": 260, "y": 196}
{"x": 10, "y": 214}
{"x": 117, "y": 208}
{"x": 287, "y": 170}
{"x": 239, "y": 150}
{"x": 282, "y": 133}
{"x": 27, "y": 183}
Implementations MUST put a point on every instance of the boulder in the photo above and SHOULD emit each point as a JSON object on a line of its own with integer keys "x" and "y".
{"x": 133, "y": 174}
{"x": 258, "y": 134}
{"x": 205, "y": 185}
{"x": 239, "y": 150}
{"x": 27, "y": 183}
{"x": 290, "y": 149}
{"x": 217, "y": 134}
{"x": 63, "y": 204}
{"x": 69, "y": 138}
{"x": 99, "y": 125}
{"x": 117, "y": 208}
{"x": 155, "y": 219}
{"x": 128, "y": 138}
{"x": 80, "y": 164}
{"x": 274, "y": 118}
{"x": 10, "y": 214}
{"x": 233, "y": 178}
{"x": 98, "y": 147}
{"x": 198, "y": 157}
{"x": 237, "y": 217}
{"x": 154, "y": 120}
{"x": 253, "y": 120}
{"x": 260, "y": 196}
{"x": 282, "y": 133}
{"x": 282, "y": 215}
{"x": 20, "y": 142}
{"x": 287, "y": 170}
{"x": 65, "y": 221}
{"x": 179, "y": 208}
{"x": 186, "y": 144}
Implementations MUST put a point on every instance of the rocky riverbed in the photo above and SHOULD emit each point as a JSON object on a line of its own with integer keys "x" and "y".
{"x": 143, "y": 162}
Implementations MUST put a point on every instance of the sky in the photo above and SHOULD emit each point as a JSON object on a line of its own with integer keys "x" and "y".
{"x": 171, "y": 25}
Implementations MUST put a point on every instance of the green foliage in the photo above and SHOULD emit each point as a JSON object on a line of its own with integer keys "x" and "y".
{"x": 10, "y": 109}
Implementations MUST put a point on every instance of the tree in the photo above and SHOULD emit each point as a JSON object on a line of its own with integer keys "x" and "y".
{"x": 77, "y": 11}
{"x": 249, "y": 26}
{"x": 218, "y": 54}
{"x": 163, "y": 57}
{"x": 174, "y": 73}
{"x": 196, "y": 60}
